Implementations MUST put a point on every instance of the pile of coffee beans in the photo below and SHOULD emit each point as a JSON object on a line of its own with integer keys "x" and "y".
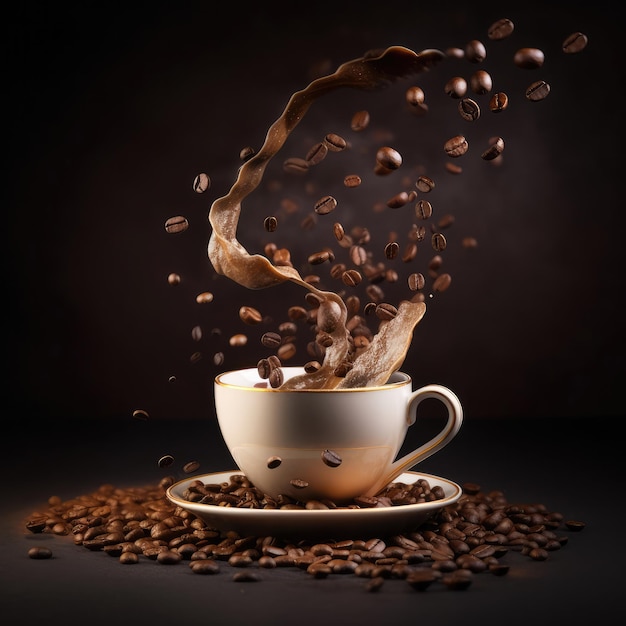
{"x": 472, "y": 536}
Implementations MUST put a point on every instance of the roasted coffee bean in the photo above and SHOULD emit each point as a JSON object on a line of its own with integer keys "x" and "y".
{"x": 453, "y": 168}
{"x": 330, "y": 458}
{"x": 246, "y": 153}
{"x": 39, "y": 553}
{"x": 391, "y": 250}
{"x": 386, "y": 311}
{"x": 423, "y": 209}
{"x": 456, "y": 87}
{"x": 317, "y": 258}
{"x": 475, "y": 51}
{"x": 201, "y": 183}
{"x": 481, "y": 82}
{"x": 173, "y": 279}
{"x": 500, "y": 29}
{"x": 298, "y": 483}
{"x": 276, "y": 377}
{"x": 271, "y": 340}
{"x": 249, "y": 315}
{"x": 538, "y": 90}
{"x": 177, "y": 224}
{"x": 204, "y": 566}
{"x": 399, "y": 200}
{"x": 528, "y": 58}
{"x": 191, "y": 466}
{"x": 325, "y": 205}
{"x": 358, "y": 255}
{"x": 352, "y": 180}
{"x": 335, "y": 143}
{"x": 456, "y": 146}
{"x": 166, "y": 461}
{"x": 442, "y": 282}
{"x": 469, "y": 109}
{"x": 388, "y": 158}
{"x": 317, "y": 153}
{"x": 575, "y": 43}
{"x": 204, "y": 297}
{"x": 438, "y": 242}
{"x": 495, "y": 149}
{"x": 270, "y": 224}
{"x": 415, "y": 96}
{"x": 296, "y": 165}
{"x": 360, "y": 121}
{"x": 141, "y": 414}
{"x": 416, "y": 281}
{"x": 498, "y": 102}
{"x": 410, "y": 252}
{"x": 425, "y": 184}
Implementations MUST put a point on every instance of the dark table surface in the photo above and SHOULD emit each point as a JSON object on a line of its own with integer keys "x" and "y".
{"x": 570, "y": 465}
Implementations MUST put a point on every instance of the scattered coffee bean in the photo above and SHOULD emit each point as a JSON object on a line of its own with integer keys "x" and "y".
{"x": 498, "y": 102}
{"x": 166, "y": 460}
{"x": 177, "y": 224}
{"x": 389, "y": 158}
{"x": 191, "y": 467}
{"x": 201, "y": 183}
{"x": 360, "y": 121}
{"x": 352, "y": 180}
{"x": 317, "y": 153}
{"x": 425, "y": 184}
{"x": 39, "y": 553}
{"x": 469, "y": 109}
{"x": 335, "y": 143}
{"x": 529, "y": 58}
{"x": 270, "y": 224}
{"x": 494, "y": 150}
{"x": 500, "y": 29}
{"x": 575, "y": 43}
{"x": 415, "y": 96}
{"x": 538, "y": 90}
{"x": 475, "y": 51}
{"x": 456, "y": 87}
{"x": 141, "y": 414}
{"x": 330, "y": 458}
{"x": 481, "y": 82}
{"x": 456, "y": 146}
{"x": 204, "y": 297}
{"x": 325, "y": 205}
{"x": 173, "y": 279}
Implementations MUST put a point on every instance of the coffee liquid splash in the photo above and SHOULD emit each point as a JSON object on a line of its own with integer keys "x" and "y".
{"x": 229, "y": 257}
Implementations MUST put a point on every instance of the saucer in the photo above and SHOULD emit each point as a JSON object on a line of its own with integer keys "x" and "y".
{"x": 341, "y": 523}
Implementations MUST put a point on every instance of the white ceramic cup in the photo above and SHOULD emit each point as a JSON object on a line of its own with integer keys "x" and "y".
{"x": 278, "y": 437}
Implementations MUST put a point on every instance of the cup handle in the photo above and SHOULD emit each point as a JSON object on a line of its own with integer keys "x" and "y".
{"x": 455, "y": 419}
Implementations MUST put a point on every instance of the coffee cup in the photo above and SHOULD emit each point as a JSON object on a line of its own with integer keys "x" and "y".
{"x": 325, "y": 444}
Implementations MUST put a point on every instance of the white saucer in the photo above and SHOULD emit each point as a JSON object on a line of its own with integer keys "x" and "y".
{"x": 331, "y": 524}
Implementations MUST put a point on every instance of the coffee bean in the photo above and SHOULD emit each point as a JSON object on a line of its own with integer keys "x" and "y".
{"x": 335, "y": 143}
{"x": 498, "y": 102}
{"x": 276, "y": 377}
{"x": 456, "y": 87}
{"x": 453, "y": 168}
{"x": 246, "y": 153}
{"x": 529, "y": 58}
{"x": 360, "y": 121}
{"x": 415, "y": 96}
{"x": 201, "y": 183}
{"x": 166, "y": 461}
{"x": 575, "y": 525}
{"x": 191, "y": 467}
{"x": 331, "y": 458}
{"x": 538, "y": 90}
{"x": 295, "y": 165}
{"x": 271, "y": 340}
{"x": 298, "y": 483}
{"x": 273, "y": 462}
{"x": 442, "y": 282}
{"x": 469, "y": 109}
{"x": 317, "y": 153}
{"x": 410, "y": 252}
{"x": 325, "y": 205}
{"x": 249, "y": 315}
{"x": 218, "y": 358}
{"x": 385, "y": 311}
{"x": 237, "y": 340}
{"x": 388, "y": 158}
{"x": 286, "y": 352}
{"x": 425, "y": 184}
{"x": 204, "y": 566}
{"x": 270, "y": 224}
{"x": 128, "y": 558}
{"x": 204, "y": 297}
{"x": 39, "y": 553}
{"x": 352, "y": 180}
{"x": 475, "y": 51}
{"x": 456, "y": 146}
{"x": 423, "y": 209}
{"x": 391, "y": 250}
{"x": 416, "y": 281}
{"x": 358, "y": 255}
{"x": 438, "y": 242}
{"x": 177, "y": 224}
{"x": 399, "y": 200}
{"x": 495, "y": 149}
{"x": 481, "y": 82}
{"x": 500, "y": 29}
{"x": 575, "y": 43}
{"x": 141, "y": 414}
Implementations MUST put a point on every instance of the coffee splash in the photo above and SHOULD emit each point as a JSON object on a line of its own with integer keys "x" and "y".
{"x": 229, "y": 257}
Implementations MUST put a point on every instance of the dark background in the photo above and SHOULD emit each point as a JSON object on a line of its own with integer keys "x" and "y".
{"x": 113, "y": 109}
